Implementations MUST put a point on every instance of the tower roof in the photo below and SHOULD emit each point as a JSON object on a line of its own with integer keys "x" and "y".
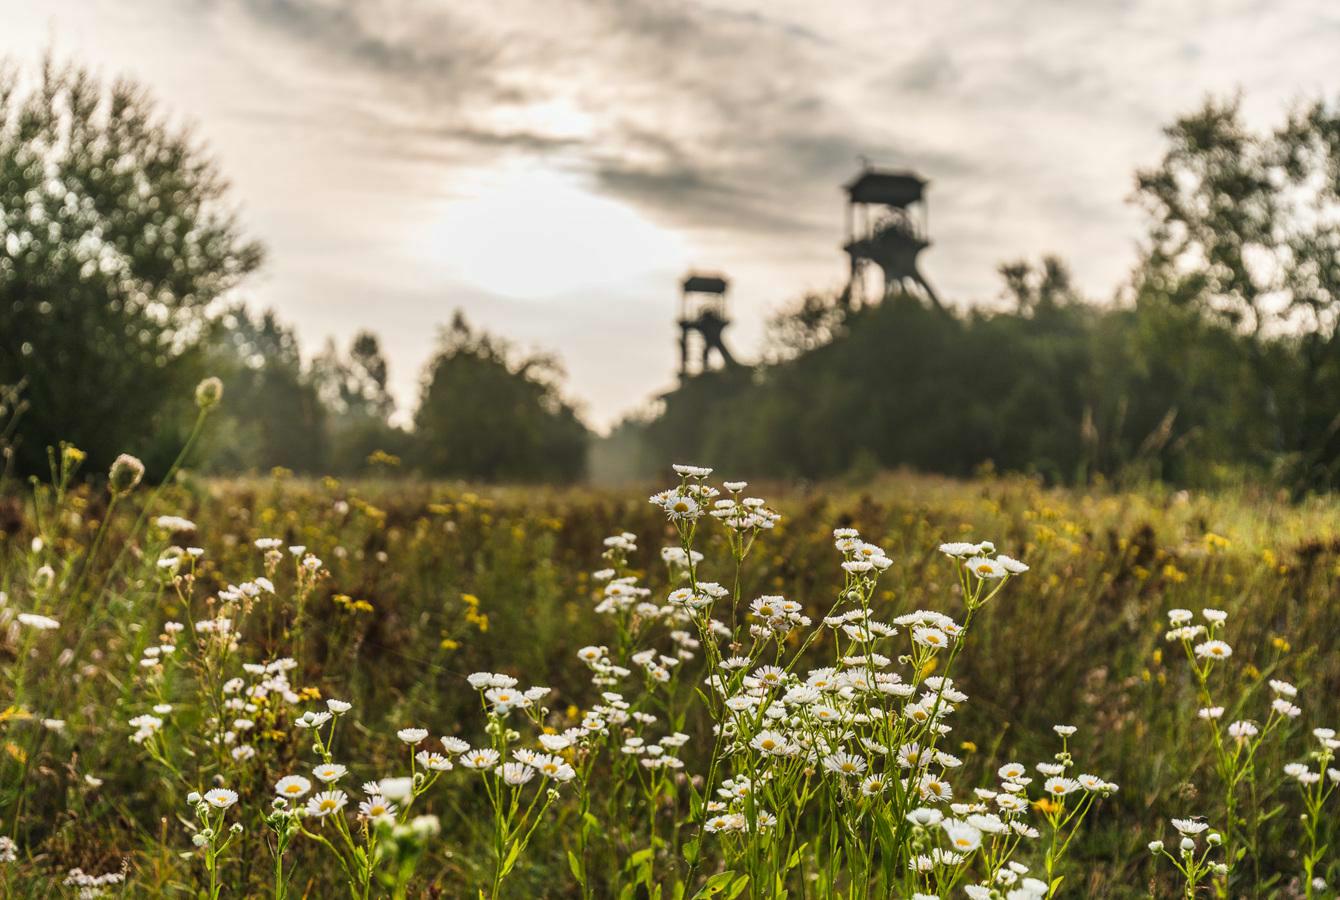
{"x": 886, "y": 188}
{"x": 696, "y": 283}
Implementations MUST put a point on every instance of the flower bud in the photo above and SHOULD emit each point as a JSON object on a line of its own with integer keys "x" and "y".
{"x": 1215, "y": 838}
{"x": 125, "y": 473}
{"x": 208, "y": 393}
{"x": 1155, "y": 846}
{"x": 1188, "y": 845}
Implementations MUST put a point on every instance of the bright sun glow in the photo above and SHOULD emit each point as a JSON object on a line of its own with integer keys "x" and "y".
{"x": 526, "y": 232}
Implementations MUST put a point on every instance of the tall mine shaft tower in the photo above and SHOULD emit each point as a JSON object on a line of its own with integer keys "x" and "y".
{"x": 886, "y": 228}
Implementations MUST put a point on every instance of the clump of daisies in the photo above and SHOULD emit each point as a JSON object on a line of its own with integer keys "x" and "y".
{"x": 1195, "y": 858}
{"x": 1316, "y": 780}
{"x": 383, "y": 841}
{"x": 729, "y": 731}
{"x": 1237, "y": 740}
{"x": 857, "y": 742}
{"x": 210, "y": 832}
{"x": 87, "y": 886}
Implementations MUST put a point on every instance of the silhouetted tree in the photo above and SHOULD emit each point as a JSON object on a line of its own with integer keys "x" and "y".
{"x": 483, "y": 414}
{"x": 273, "y": 415}
{"x": 1038, "y": 290}
{"x": 816, "y": 320}
{"x": 353, "y": 391}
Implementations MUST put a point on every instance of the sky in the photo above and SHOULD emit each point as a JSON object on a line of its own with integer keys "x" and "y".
{"x": 554, "y": 167}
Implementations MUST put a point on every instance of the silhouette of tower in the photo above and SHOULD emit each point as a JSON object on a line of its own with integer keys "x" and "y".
{"x": 886, "y": 227}
{"x": 702, "y": 312}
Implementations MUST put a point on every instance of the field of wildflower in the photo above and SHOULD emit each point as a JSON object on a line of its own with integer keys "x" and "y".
{"x": 907, "y": 687}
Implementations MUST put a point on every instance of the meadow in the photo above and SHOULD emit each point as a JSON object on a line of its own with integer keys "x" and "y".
{"x": 391, "y": 687}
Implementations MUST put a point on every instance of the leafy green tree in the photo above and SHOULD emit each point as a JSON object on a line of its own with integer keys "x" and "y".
{"x": 354, "y": 384}
{"x": 115, "y": 239}
{"x": 815, "y": 320}
{"x": 353, "y": 390}
{"x": 1039, "y": 290}
{"x": 273, "y": 415}
{"x": 1246, "y": 230}
{"x": 483, "y": 413}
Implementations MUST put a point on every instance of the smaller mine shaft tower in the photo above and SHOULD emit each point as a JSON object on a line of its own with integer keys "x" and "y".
{"x": 702, "y": 319}
{"x": 886, "y": 227}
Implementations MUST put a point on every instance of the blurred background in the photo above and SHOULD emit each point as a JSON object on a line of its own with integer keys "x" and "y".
{"x": 569, "y": 242}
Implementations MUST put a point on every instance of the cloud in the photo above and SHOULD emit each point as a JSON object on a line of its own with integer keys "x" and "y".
{"x": 355, "y": 130}
{"x": 705, "y": 116}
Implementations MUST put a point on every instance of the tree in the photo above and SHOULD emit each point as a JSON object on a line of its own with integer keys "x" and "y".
{"x": 485, "y": 414}
{"x": 815, "y": 320}
{"x": 1038, "y": 291}
{"x": 354, "y": 385}
{"x": 274, "y": 415}
{"x": 1246, "y": 229}
{"x": 115, "y": 241}
{"x": 353, "y": 390}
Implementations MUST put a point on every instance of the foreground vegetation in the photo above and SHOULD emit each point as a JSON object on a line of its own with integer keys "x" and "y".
{"x": 197, "y": 678}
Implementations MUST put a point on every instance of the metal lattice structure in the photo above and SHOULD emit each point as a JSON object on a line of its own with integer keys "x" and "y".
{"x": 887, "y": 220}
{"x": 702, "y": 319}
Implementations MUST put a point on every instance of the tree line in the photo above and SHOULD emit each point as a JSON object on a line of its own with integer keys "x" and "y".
{"x": 1219, "y": 360}
{"x": 121, "y": 258}
{"x": 118, "y": 257}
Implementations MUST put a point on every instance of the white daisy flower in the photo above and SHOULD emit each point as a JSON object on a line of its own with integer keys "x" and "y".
{"x": 220, "y": 798}
{"x": 986, "y": 568}
{"x": 516, "y": 773}
{"x": 844, "y": 763}
{"x": 454, "y": 745}
{"x": 962, "y": 837}
{"x": 326, "y": 803}
{"x": 485, "y": 758}
{"x": 329, "y": 772}
{"x": 435, "y": 762}
{"x": 1214, "y": 650}
{"x": 1060, "y": 786}
{"x": 1189, "y": 827}
{"x": 376, "y": 807}
{"x": 292, "y": 786}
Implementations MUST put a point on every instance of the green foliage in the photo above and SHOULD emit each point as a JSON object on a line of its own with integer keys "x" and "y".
{"x": 115, "y": 241}
{"x": 117, "y": 253}
{"x": 429, "y": 581}
{"x": 1220, "y": 360}
{"x": 483, "y": 415}
{"x": 274, "y": 415}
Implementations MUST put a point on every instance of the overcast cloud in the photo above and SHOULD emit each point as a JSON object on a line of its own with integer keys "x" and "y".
{"x": 553, "y": 166}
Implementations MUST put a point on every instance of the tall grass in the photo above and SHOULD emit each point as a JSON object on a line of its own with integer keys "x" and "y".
{"x": 388, "y": 596}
